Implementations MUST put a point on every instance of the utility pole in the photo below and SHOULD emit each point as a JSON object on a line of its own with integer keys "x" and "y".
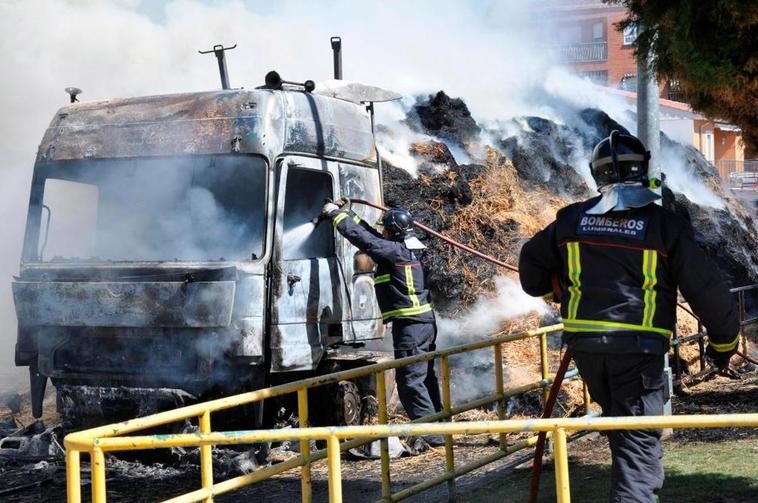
{"x": 648, "y": 112}
{"x": 649, "y": 131}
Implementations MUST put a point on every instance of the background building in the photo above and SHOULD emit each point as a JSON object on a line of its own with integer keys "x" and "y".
{"x": 586, "y": 39}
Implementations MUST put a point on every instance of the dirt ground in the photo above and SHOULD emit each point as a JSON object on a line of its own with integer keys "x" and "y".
{"x": 135, "y": 482}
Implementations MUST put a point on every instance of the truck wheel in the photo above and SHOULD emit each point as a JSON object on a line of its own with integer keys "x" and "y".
{"x": 347, "y": 402}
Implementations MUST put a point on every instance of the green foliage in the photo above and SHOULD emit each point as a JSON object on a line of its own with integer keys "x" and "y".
{"x": 717, "y": 472}
{"x": 710, "y": 47}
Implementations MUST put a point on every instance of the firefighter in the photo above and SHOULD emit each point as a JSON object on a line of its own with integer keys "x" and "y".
{"x": 616, "y": 261}
{"x": 403, "y": 300}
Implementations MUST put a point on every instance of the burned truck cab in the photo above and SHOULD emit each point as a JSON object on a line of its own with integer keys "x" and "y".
{"x": 170, "y": 253}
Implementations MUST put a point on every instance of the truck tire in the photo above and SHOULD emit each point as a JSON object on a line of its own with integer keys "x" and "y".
{"x": 347, "y": 404}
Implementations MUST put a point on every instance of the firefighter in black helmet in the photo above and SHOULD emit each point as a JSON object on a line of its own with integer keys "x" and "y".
{"x": 403, "y": 300}
{"x": 619, "y": 259}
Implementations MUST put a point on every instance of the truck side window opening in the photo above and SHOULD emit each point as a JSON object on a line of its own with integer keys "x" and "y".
{"x": 303, "y": 200}
{"x": 203, "y": 208}
{"x": 73, "y": 218}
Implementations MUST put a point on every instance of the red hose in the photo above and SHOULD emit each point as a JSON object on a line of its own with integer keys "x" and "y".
{"x": 539, "y": 448}
{"x": 746, "y": 358}
{"x": 681, "y": 306}
{"x": 446, "y": 239}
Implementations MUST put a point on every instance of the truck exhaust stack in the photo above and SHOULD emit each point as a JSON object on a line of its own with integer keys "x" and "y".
{"x": 219, "y": 50}
{"x": 337, "y": 50}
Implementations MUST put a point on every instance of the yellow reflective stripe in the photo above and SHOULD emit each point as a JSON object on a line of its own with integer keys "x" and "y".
{"x": 384, "y": 278}
{"x": 339, "y": 218}
{"x": 408, "y": 311}
{"x": 574, "y": 273}
{"x": 356, "y": 219}
{"x": 649, "y": 266}
{"x": 411, "y": 288}
{"x": 608, "y": 326}
{"x": 727, "y": 346}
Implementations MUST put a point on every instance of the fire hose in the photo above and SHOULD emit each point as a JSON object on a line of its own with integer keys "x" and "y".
{"x": 448, "y": 240}
{"x": 562, "y": 368}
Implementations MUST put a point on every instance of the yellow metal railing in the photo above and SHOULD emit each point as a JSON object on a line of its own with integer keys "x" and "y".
{"x": 95, "y": 441}
{"x": 558, "y": 427}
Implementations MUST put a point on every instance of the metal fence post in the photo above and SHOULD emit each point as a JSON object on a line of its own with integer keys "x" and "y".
{"x": 562, "y": 490}
{"x": 499, "y": 390}
{"x": 587, "y": 399}
{"x": 381, "y": 399}
{"x": 701, "y": 345}
{"x": 667, "y": 407}
{"x": 206, "y": 456}
{"x": 447, "y": 405}
{"x": 73, "y": 476}
{"x": 677, "y": 355}
{"x": 335, "y": 469}
{"x": 743, "y": 316}
{"x": 545, "y": 372}
{"x": 544, "y": 365}
{"x": 98, "y": 475}
{"x": 305, "y": 447}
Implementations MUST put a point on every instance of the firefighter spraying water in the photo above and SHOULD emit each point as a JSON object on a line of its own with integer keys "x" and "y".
{"x": 403, "y": 300}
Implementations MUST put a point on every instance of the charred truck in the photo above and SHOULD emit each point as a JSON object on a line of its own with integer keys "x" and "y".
{"x": 169, "y": 255}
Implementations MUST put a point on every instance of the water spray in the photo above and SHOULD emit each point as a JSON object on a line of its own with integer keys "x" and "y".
{"x": 321, "y": 216}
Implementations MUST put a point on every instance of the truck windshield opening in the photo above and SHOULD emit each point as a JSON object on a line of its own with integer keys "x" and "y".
{"x": 194, "y": 208}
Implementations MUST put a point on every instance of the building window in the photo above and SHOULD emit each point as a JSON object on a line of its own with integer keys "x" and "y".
{"x": 628, "y": 82}
{"x": 570, "y": 34}
{"x": 708, "y": 146}
{"x": 630, "y": 34}
{"x": 597, "y": 77}
{"x": 597, "y": 32}
{"x": 674, "y": 91}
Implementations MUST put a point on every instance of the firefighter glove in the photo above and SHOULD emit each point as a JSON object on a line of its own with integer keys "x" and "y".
{"x": 720, "y": 359}
{"x": 328, "y": 208}
{"x": 344, "y": 203}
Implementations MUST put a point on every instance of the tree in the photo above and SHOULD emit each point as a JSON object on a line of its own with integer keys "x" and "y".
{"x": 710, "y": 47}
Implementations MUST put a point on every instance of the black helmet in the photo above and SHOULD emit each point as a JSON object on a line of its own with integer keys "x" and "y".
{"x": 398, "y": 223}
{"x": 619, "y": 158}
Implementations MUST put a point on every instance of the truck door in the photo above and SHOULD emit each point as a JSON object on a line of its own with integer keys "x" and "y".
{"x": 360, "y": 182}
{"x": 307, "y": 284}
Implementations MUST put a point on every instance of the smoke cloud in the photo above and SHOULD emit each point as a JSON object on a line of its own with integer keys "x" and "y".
{"x": 488, "y": 314}
{"x": 492, "y": 53}
{"x": 474, "y": 374}
{"x": 128, "y": 48}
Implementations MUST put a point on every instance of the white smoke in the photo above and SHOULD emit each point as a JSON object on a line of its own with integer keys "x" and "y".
{"x": 488, "y": 314}
{"x": 395, "y": 137}
{"x": 473, "y": 371}
{"x": 681, "y": 178}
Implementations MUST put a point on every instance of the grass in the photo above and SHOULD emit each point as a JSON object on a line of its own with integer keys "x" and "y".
{"x": 714, "y": 472}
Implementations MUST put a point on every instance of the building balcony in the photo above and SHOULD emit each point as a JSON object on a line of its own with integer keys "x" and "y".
{"x": 584, "y": 53}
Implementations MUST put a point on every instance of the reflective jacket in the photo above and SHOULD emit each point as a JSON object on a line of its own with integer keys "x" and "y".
{"x": 619, "y": 273}
{"x": 399, "y": 279}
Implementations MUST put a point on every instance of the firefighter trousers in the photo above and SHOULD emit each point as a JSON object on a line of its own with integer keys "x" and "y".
{"x": 417, "y": 384}
{"x": 629, "y": 385}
